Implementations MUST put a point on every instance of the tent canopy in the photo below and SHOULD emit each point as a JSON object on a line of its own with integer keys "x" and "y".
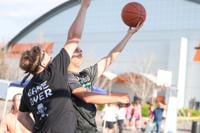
{"x": 13, "y": 88}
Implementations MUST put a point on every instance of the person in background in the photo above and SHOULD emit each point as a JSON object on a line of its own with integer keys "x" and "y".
{"x": 121, "y": 117}
{"x": 137, "y": 114}
{"x": 158, "y": 115}
{"x": 10, "y": 123}
{"x": 110, "y": 113}
{"x": 149, "y": 124}
{"x": 129, "y": 113}
{"x": 151, "y": 115}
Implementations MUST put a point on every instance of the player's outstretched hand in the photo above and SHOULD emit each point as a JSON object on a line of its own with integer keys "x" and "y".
{"x": 132, "y": 30}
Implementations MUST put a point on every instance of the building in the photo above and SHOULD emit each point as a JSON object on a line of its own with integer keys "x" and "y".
{"x": 166, "y": 41}
{"x": 17, "y": 49}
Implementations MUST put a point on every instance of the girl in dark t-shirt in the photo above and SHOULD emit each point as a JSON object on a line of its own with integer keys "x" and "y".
{"x": 47, "y": 95}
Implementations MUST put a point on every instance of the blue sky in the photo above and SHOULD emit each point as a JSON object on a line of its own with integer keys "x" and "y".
{"x": 16, "y": 14}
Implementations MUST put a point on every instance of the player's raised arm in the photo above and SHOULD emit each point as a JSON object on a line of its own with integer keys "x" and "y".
{"x": 105, "y": 62}
{"x": 76, "y": 29}
{"x": 96, "y": 98}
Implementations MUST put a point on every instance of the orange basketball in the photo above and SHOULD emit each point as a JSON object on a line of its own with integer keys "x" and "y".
{"x": 132, "y": 13}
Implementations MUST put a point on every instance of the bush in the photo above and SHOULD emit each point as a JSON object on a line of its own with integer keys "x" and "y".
{"x": 145, "y": 110}
{"x": 195, "y": 113}
{"x": 189, "y": 112}
{"x": 183, "y": 112}
{"x": 100, "y": 107}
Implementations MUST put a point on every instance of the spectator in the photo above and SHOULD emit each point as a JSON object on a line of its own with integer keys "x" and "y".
{"x": 110, "y": 118}
{"x": 129, "y": 113}
{"x": 121, "y": 117}
{"x": 150, "y": 125}
{"x": 10, "y": 123}
{"x": 137, "y": 115}
{"x": 158, "y": 115}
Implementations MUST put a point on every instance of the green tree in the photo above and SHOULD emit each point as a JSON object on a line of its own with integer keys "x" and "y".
{"x": 3, "y": 65}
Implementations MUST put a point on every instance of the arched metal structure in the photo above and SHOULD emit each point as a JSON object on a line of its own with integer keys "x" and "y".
{"x": 42, "y": 19}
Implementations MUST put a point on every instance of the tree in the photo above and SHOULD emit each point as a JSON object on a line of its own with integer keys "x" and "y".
{"x": 141, "y": 85}
{"x": 3, "y": 65}
{"x": 143, "y": 81}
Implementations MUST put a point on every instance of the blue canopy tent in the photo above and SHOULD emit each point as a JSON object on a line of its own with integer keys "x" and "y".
{"x": 14, "y": 88}
{"x": 99, "y": 90}
{"x": 3, "y": 88}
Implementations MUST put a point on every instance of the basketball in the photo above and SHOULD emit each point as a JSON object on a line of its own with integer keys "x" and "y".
{"x": 132, "y": 13}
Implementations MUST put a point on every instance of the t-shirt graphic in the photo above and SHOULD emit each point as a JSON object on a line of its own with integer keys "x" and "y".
{"x": 85, "y": 82}
{"x": 38, "y": 94}
{"x": 41, "y": 111}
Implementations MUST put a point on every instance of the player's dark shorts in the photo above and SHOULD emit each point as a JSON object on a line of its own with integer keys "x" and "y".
{"x": 110, "y": 125}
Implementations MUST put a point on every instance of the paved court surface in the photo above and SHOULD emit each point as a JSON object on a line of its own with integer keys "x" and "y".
{"x": 182, "y": 126}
